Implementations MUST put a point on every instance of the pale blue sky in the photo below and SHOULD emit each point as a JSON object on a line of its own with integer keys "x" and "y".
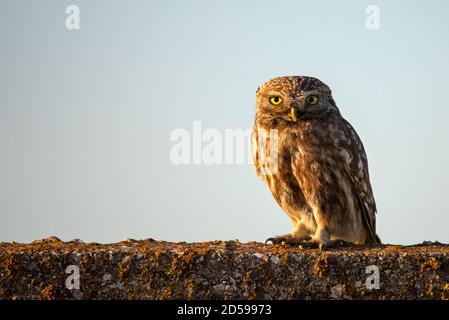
{"x": 86, "y": 116}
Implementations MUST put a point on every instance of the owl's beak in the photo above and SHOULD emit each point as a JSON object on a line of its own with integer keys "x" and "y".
{"x": 295, "y": 110}
{"x": 293, "y": 115}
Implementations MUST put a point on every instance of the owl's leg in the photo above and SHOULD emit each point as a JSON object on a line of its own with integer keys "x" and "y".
{"x": 297, "y": 236}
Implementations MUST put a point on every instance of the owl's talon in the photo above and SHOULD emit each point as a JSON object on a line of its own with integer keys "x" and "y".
{"x": 278, "y": 240}
{"x": 311, "y": 245}
{"x": 286, "y": 240}
{"x": 338, "y": 244}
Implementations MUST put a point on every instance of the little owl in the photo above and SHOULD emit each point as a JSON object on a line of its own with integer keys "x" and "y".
{"x": 314, "y": 164}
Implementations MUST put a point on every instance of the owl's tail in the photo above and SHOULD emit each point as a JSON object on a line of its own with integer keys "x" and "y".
{"x": 378, "y": 241}
{"x": 373, "y": 240}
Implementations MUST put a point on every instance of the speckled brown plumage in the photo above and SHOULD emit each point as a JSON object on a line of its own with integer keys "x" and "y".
{"x": 319, "y": 174}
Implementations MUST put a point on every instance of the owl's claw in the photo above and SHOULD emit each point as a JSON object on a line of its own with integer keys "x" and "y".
{"x": 312, "y": 244}
{"x": 276, "y": 240}
{"x": 308, "y": 244}
{"x": 285, "y": 239}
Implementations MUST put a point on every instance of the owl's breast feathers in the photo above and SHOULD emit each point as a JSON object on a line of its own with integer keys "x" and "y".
{"x": 275, "y": 169}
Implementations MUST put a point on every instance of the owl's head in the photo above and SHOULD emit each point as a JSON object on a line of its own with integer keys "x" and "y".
{"x": 294, "y": 98}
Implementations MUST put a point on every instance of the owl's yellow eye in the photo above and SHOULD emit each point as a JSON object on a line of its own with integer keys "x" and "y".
{"x": 275, "y": 100}
{"x": 312, "y": 99}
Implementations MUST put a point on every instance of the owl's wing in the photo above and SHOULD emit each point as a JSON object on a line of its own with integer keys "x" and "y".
{"x": 356, "y": 165}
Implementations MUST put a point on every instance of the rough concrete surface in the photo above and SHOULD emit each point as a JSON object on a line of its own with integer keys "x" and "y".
{"x": 148, "y": 269}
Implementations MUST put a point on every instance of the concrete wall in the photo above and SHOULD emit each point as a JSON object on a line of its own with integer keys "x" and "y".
{"x": 147, "y": 269}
